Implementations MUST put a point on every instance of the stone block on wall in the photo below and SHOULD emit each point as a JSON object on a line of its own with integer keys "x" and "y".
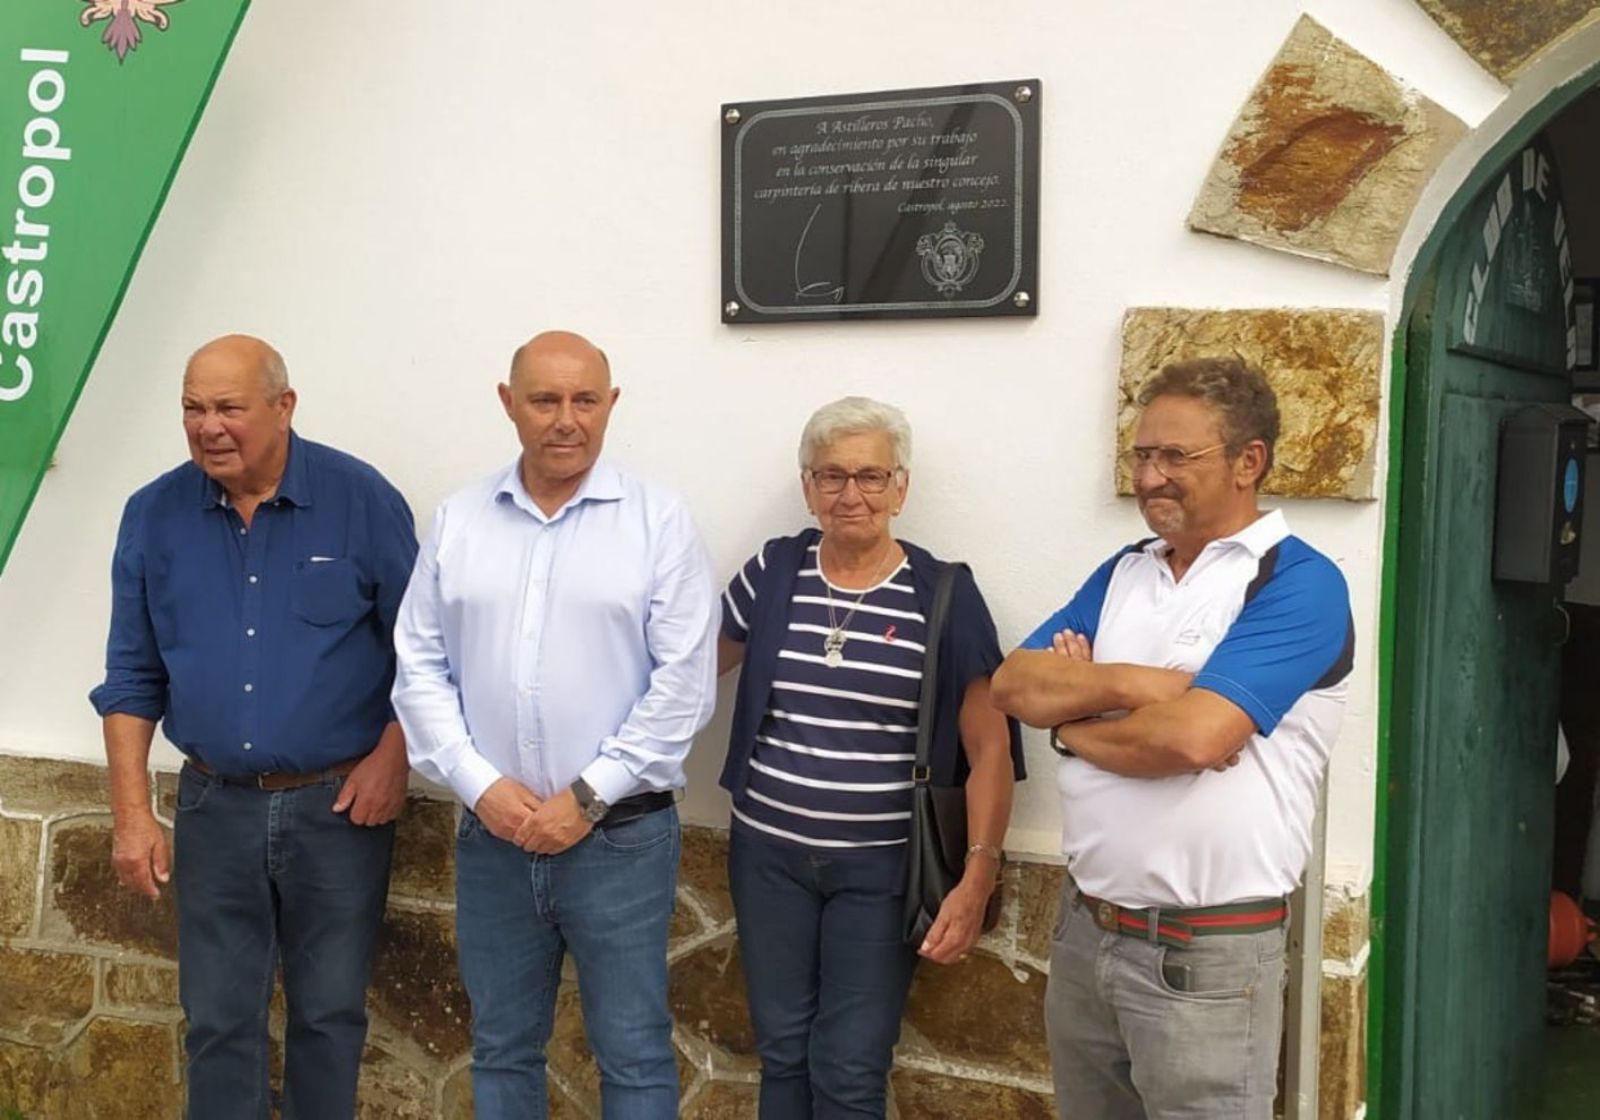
{"x": 19, "y": 874}
{"x": 1323, "y": 364}
{"x": 723, "y": 1100}
{"x": 703, "y": 871}
{"x": 1504, "y": 35}
{"x": 43, "y": 785}
{"x": 391, "y": 1090}
{"x": 416, "y": 994}
{"x": 931, "y": 1096}
{"x": 85, "y": 904}
{"x": 706, "y": 988}
{"x": 120, "y": 1069}
{"x": 148, "y": 989}
{"x": 425, "y": 851}
{"x": 44, "y": 996}
{"x": 976, "y": 1014}
{"x": 1327, "y": 158}
{"x": 1035, "y": 890}
{"x": 24, "y": 1077}
{"x": 1342, "y": 1075}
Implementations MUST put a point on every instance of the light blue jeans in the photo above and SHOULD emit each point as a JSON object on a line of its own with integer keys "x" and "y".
{"x": 1141, "y": 1031}
{"x": 608, "y": 900}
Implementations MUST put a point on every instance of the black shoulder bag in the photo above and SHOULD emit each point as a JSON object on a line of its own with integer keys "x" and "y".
{"x": 938, "y": 843}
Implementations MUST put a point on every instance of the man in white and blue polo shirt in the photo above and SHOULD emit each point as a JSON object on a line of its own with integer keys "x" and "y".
{"x": 1194, "y": 685}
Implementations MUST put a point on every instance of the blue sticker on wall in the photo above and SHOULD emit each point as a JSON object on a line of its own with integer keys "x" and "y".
{"x": 1569, "y": 486}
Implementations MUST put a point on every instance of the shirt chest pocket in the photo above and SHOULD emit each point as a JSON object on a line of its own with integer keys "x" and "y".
{"x": 328, "y": 593}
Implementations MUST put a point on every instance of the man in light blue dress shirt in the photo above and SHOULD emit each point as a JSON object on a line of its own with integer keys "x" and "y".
{"x": 556, "y": 656}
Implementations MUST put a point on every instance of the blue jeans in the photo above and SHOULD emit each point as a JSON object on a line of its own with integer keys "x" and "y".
{"x": 608, "y": 899}
{"x": 1141, "y": 1031}
{"x": 263, "y": 879}
{"x": 827, "y": 972}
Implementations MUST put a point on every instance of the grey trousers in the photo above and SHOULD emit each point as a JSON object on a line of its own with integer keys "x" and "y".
{"x": 1141, "y": 1031}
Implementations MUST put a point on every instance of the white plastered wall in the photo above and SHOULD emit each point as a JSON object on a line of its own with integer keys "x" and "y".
{"x": 397, "y": 194}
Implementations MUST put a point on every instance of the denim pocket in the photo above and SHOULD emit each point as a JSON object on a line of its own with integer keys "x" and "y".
{"x": 193, "y": 788}
{"x": 1216, "y": 969}
{"x": 639, "y": 834}
{"x": 468, "y": 826}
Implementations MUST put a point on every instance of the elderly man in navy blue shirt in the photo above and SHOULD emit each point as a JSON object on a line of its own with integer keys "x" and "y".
{"x": 254, "y": 595}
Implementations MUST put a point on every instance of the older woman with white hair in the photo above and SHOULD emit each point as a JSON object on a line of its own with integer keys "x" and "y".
{"x": 830, "y": 627}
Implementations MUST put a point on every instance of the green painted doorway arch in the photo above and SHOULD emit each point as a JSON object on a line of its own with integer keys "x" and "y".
{"x": 1468, "y": 667}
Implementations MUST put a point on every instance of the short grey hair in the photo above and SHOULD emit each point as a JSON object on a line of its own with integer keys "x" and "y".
{"x": 850, "y": 415}
{"x": 274, "y": 375}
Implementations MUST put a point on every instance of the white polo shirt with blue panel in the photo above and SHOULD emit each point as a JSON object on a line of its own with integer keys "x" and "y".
{"x": 1262, "y": 619}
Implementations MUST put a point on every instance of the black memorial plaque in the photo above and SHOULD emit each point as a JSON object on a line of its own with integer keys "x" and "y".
{"x": 904, "y": 204}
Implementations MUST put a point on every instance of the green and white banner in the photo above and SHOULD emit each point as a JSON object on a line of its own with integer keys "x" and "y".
{"x": 98, "y": 99}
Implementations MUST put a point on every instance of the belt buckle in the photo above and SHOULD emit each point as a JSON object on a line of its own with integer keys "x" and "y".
{"x": 1105, "y": 916}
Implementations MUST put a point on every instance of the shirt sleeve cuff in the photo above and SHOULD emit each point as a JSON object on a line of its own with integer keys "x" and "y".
{"x": 109, "y": 700}
{"x": 610, "y": 779}
{"x": 471, "y": 776}
{"x": 1241, "y": 697}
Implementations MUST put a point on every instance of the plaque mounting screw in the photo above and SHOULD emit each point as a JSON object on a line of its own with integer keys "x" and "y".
{"x": 731, "y": 308}
{"x": 1022, "y": 299}
{"x": 1023, "y": 94}
{"x": 732, "y": 116}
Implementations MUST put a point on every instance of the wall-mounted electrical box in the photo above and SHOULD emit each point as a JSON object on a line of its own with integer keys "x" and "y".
{"x": 1539, "y": 497}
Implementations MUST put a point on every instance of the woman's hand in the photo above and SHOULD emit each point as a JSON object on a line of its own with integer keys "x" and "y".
{"x": 959, "y": 923}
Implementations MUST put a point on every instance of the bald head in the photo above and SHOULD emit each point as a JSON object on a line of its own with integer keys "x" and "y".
{"x": 553, "y": 351}
{"x": 241, "y": 352}
{"x": 237, "y": 412}
{"x": 559, "y": 396}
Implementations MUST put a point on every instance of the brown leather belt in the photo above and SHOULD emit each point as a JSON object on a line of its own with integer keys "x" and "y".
{"x": 280, "y": 780}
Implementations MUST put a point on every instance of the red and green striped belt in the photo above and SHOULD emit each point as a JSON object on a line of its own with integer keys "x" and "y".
{"x": 1179, "y": 927}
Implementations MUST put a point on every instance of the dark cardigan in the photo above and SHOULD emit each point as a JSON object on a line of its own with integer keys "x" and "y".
{"x": 968, "y": 649}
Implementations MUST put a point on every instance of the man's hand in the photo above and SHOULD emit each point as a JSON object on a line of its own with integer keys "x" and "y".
{"x": 139, "y": 853}
{"x": 1073, "y": 645}
{"x": 554, "y": 827}
{"x": 959, "y": 923}
{"x": 505, "y": 806}
{"x": 375, "y": 791}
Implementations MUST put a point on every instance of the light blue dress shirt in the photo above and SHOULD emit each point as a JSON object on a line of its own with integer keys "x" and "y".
{"x": 544, "y": 648}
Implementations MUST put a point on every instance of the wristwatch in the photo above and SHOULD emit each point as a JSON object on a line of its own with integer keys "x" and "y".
{"x": 1057, "y": 745}
{"x": 589, "y": 804}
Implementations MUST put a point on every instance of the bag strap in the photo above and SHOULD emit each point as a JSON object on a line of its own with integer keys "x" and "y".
{"x": 920, "y": 770}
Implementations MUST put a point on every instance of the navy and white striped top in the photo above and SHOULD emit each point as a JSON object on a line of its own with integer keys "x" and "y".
{"x": 831, "y": 765}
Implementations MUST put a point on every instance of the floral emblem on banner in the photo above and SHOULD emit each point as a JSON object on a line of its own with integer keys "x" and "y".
{"x": 949, "y": 258}
{"x": 122, "y": 33}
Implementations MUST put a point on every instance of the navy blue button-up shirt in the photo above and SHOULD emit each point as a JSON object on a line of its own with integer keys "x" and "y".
{"x": 268, "y": 647}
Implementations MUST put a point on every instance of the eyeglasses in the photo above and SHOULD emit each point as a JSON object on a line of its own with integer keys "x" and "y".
{"x": 1168, "y": 461}
{"x": 868, "y": 480}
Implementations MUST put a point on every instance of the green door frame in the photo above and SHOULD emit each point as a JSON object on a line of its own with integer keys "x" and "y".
{"x": 1399, "y": 474}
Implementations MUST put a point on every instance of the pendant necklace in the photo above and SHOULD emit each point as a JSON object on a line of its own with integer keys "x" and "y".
{"x": 833, "y": 642}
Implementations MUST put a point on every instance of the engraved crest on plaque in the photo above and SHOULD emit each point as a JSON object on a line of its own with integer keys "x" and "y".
{"x": 949, "y": 258}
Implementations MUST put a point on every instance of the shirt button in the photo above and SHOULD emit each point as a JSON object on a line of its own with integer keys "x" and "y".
{"x": 243, "y": 530}
{"x": 249, "y": 688}
{"x": 254, "y": 580}
{"x": 249, "y": 746}
{"x": 250, "y": 632}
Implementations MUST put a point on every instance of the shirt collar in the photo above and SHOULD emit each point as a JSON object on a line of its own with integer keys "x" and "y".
{"x": 603, "y": 483}
{"x": 294, "y": 487}
{"x": 1255, "y": 538}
